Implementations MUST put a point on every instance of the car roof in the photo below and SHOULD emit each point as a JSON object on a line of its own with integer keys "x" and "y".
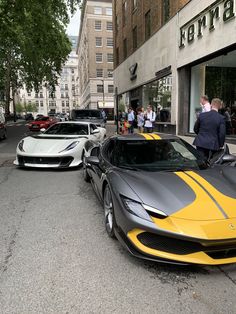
{"x": 145, "y": 136}
{"x": 75, "y": 122}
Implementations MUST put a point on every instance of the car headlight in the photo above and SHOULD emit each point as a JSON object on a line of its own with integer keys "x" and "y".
{"x": 20, "y": 146}
{"x": 71, "y": 146}
{"x": 141, "y": 210}
{"x": 30, "y": 124}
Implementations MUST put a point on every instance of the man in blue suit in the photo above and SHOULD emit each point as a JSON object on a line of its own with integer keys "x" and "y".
{"x": 210, "y": 130}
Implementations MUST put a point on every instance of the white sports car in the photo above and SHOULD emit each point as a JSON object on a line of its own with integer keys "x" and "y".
{"x": 62, "y": 145}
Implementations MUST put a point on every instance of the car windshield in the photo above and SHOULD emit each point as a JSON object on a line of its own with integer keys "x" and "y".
{"x": 42, "y": 119}
{"x": 68, "y": 129}
{"x": 159, "y": 155}
{"x": 83, "y": 114}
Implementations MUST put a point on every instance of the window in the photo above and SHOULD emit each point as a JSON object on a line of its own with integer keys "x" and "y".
{"x": 109, "y": 42}
{"x": 62, "y": 95}
{"x": 36, "y": 95}
{"x": 74, "y": 103}
{"x": 166, "y": 10}
{"x": 98, "y": 25}
{"x": 110, "y": 89}
{"x": 98, "y": 57}
{"x": 135, "y": 38}
{"x": 109, "y": 11}
{"x": 99, "y": 72}
{"x": 41, "y": 95}
{"x": 98, "y": 10}
{"x": 148, "y": 24}
{"x": 63, "y": 103}
{"x": 117, "y": 21}
{"x": 134, "y": 4}
{"x": 66, "y": 86}
{"x": 73, "y": 87}
{"x": 124, "y": 10}
{"x": 110, "y": 57}
{"x": 67, "y": 95}
{"x": 72, "y": 71}
{"x": 109, "y": 73}
{"x": 72, "y": 78}
{"x": 41, "y": 103}
{"x": 99, "y": 88}
{"x": 37, "y": 103}
{"x": 125, "y": 48}
{"x": 29, "y": 94}
{"x": 98, "y": 41}
{"x": 109, "y": 26}
{"x": 67, "y": 103}
{"x": 117, "y": 56}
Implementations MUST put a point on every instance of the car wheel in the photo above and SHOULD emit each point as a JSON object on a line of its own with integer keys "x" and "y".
{"x": 85, "y": 171}
{"x": 109, "y": 212}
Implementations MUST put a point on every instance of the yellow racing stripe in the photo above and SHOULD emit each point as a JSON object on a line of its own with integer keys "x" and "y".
{"x": 147, "y": 136}
{"x": 202, "y": 208}
{"x": 155, "y": 136}
{"x": 228, "y": 204}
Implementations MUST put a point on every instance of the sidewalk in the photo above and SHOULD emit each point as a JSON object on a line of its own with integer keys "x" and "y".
{"x": 189, "y": 139}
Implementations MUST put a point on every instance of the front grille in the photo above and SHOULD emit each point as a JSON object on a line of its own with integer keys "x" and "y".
{"x": 183, "y": 247}
{"x": 60, "y": 161}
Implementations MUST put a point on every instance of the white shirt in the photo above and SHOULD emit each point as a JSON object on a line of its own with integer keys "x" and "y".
{"x": 151, "y": 116}
{"x": 206, "y": 107}
{"x": 131, "y": 116}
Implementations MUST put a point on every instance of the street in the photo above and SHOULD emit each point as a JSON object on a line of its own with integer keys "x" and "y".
{"x": 55, "y": 256}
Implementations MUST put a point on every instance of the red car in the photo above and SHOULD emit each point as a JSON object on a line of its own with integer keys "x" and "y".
{"x": 41, "y": 123}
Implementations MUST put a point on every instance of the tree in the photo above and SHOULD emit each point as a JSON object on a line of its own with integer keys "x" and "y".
{"x": 20, "y": 108}
{"x": 34, "y": 44}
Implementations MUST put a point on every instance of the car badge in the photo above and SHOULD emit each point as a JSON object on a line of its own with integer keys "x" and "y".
{"x": 232, "y": 227}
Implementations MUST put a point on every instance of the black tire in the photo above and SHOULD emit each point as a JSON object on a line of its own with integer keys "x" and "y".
{"x": 85, "y": 171}
{"x": 110, "y": 222}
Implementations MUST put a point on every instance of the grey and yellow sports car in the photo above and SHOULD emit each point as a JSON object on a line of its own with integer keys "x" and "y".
{"x": 163, "y": 201}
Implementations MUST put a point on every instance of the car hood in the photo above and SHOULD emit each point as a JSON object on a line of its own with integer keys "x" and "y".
{"x": 41, "y": 144}
{"x": 192, "y": 195}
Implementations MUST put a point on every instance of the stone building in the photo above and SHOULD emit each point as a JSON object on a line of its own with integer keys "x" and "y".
{"x": 169, "y": 53}
{"x": 95, "y": 56}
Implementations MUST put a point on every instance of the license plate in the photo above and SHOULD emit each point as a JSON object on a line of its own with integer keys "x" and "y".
{"x": 34, "y": 126}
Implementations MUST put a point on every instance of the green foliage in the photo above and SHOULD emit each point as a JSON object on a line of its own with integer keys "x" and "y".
{"x": 30, "y": 107}
{"x": 121, "y": 106}
{"x": 20, "y": 108}
{"x": 34, "y": 44}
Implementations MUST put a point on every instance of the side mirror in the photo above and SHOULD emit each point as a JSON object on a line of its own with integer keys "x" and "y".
{"x": 96, "y": 131}
{"x": 42, "y": 130}
{"x": 92, "y": 160}
{"x": 228, "y": 158}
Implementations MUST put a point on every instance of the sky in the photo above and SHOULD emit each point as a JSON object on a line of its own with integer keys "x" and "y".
{"x": 73, "y": 27}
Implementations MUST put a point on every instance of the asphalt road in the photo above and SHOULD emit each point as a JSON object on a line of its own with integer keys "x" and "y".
{"x": 55, "y": 256}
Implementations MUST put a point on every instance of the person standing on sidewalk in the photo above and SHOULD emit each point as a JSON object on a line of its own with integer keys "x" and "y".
{"x": 210, "y": 130}
{"x": 140, "y": 120}
{"x": 131, "y": 118}
{"x": 150, "y": 118}
{"x": 204, "y": 102}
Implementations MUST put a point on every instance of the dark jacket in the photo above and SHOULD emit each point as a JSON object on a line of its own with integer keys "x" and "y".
{"x": 210, "y": 130}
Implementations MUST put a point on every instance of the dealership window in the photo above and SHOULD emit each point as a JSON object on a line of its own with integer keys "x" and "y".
{"x": 109, "y": 26}
{"x": 215, "y": 78}
{"x": 98, "y": 25}
{"x": 98, "y": 57}
{"x": 99, "y": 72}
{"x": 148, "y": 24}
{"x": 98, "y": 41}
{"x": 158, "y": 94}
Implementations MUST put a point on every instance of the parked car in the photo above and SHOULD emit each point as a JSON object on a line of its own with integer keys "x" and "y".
{"x": 163, "y": 201}
{"x": 89, "y": 115}
{"x": 3, "y": 130}
{"x": 63, "y": 145}
{"x": 41, "y": 123}
{"x": 29, "y": 117}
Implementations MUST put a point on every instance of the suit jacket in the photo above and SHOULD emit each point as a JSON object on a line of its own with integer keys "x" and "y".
{"x": 210, "y": 130}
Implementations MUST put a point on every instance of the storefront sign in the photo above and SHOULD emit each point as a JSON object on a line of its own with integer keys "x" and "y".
{"x": 194, "y": 29}
{"x": 105, "y": 104}
{"x": 132, "y": 71}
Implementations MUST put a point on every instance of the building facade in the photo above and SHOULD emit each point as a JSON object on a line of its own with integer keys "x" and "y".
{"x": 65, "y": 97}
{"x": 95, "y": 56}
{"x": 169, "y": 53}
